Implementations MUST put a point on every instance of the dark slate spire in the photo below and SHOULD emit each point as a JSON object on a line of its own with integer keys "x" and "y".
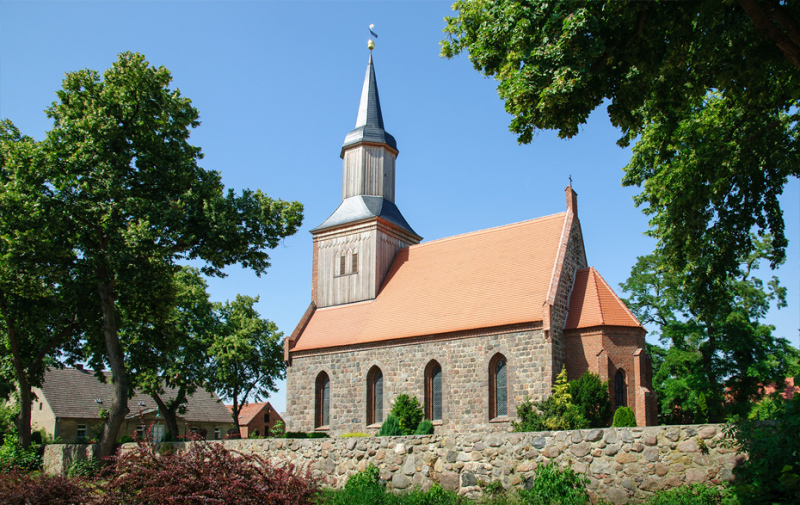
{"x": 369, "y": 124}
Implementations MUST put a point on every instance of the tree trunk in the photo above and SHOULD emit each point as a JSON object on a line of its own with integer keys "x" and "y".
{"x": 119, "y": 405}
{"x": 24, "y": 417}
{"x": 169, "y": 412}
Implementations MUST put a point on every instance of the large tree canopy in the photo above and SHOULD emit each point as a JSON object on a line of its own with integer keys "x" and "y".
{"x": 709, "y": 90}
{"x": 120, "y": 165}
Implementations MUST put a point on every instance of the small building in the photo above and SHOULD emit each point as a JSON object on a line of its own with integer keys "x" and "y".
{"x": 71, "y": 401}
{"x": 257, "y": 419}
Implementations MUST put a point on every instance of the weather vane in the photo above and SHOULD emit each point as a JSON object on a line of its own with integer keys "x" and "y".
{"x": 570, "y": 180}
{"x": 370, "y": 42}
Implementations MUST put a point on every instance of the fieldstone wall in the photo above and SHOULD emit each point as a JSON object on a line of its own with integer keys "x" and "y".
{"x": 623, "y": 465}
{"x": 464, "y": 359}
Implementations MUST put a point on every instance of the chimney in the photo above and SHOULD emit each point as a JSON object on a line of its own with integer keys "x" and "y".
{"x": 572, "y": 201}
{"x": 78, "y": 366}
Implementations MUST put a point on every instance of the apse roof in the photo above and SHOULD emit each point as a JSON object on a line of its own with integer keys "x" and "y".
{"x": 593, "y": 303}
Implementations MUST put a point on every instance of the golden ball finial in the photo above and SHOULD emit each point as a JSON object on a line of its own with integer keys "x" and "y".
{"x": 370, "y": 44}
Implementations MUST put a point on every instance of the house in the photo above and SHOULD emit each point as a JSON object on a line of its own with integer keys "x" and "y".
{"x": 257, "y": 419}
{"x": 787, "y": 392}
{"x": 71, "y": 400}
{"x": 471, "y": 325}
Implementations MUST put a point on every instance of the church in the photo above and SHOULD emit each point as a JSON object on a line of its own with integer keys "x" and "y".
{"x": 471, "y": 325}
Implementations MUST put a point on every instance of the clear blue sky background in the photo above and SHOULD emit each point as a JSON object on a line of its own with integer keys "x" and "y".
{"x": 277, "y": 85}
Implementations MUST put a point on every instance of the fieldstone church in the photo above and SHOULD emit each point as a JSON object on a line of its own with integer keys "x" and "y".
{"x": 471, "y": 325}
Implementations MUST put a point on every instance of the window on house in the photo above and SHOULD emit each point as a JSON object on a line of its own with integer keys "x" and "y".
{"x": 619, "y": 388}
{"x": 498, "y": 387}
{"x": 266, "y": 417}
{"x": 433, "y": 391}
{"x": 81, "y": 431}
{"x": 354, "y": 263}
{"x": 217, "y": 434}
{"x": 322, "y": 405}
{"x": 375, "y": 396}
{"x": 140, "y": 432}
{"x": 342, "y": 260}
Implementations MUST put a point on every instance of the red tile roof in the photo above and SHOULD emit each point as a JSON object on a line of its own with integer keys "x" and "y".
{"x": 250, "y": 411}
{"x": 495, "y": 277}
{"x": 593, "y": 303}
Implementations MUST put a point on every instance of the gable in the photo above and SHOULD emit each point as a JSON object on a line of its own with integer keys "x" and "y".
{"x": 593, "y": 303}
{"x": 489, "y": 278}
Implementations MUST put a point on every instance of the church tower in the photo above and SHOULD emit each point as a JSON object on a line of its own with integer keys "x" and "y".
{"x": 355, "y": 246}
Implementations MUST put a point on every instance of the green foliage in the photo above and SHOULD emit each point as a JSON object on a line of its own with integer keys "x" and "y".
{"x": 278, "y": 430}
{"x": 709, "y": 99}
{"x": 557, "y": 412}
{"x": 556, "y": 486}
{"x": 14, "y": 456}
{"x": 408, "y": 412}
{"x": 84, "y": 468}
{"x": 390, "y": 427}
{"x": 693, "y": 494}
{"x": 623, "y": 417}
{"x": 771, "y": 473}
{"x": 354, "y": 435}
{"x": 8, "y": 412}
{"x": 716, "y": 352}
{"x": 366, "y": 487}
{"x": 425, "y": 427}
{"x": 303, "y": 434}
{"x": 127, "y": 439}
{"x": 590, "y": 394}
{"x": 767, "y": 409}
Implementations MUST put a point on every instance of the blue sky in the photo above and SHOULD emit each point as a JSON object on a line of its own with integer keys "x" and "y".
{"x": 277, "y": 85}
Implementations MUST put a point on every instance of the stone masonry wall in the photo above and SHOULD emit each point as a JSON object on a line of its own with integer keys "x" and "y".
{"x": 623, "y": 465}
{"x": 465, "y": 379}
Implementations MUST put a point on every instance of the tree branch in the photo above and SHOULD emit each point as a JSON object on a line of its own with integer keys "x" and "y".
{"x": 765, "y": 24}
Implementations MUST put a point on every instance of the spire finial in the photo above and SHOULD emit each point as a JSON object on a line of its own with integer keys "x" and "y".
{"x": 570, "y": 180}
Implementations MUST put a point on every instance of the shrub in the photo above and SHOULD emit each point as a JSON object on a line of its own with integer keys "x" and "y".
{"x": 408, "y": 412}
{"x": 126, "y": 439}
{"x": 278, "y": 430}
{"x": 590, "y": 394}
{"x": 13, "y": 456}
{"x": 557, "y": 412}
{"x": 354, "y": 435}
{"x": 692, "y": 494}
{"x": 554, "y": 486}
{"x": 771, "y": 473}
{"x": 366, "y": 487}
{"x": 425, "y": 427}
{"x": 623, "y": 418}
{"x": 84, "y": 468}
{"x": 390, "y": 427}
{"x": 205, "y": 473}
{"x": 303, "y": 434}
{"x": 18, "y": 488}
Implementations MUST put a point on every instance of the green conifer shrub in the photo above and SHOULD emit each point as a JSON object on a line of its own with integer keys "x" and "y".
{"x": 408, "y": 412}
{"x": 390, "y": 427}
{"x": 590, "y": 394}
{"x": 425, "y": 428}
{"x": 623, "y": 418}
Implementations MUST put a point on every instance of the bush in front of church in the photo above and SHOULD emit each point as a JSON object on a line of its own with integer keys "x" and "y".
{"x": 624, "y": 418}
{"x": 408, "y": 412}
{"x": 590, "y": 394}
{"x": 390, "y": 427}
{"x": 425, "y": 428}
{"x": 555, "y": 413}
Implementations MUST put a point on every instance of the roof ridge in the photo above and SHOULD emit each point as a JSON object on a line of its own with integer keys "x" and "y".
{"x": 593, "y": 275}
{"x": 486, "y": 230}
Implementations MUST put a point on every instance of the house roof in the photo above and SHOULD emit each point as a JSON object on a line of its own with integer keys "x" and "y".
{"x": 251, "y": 410}
{"x": 593, "y": 303}
{"x": 369, "y": 123}
{"x": 488, "y": 278}
{"x": 71, "y": 393}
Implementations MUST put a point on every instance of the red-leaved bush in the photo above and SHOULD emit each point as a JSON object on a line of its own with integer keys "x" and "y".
{"x": 18, "y": 488}
{"x": 206, "y": 474}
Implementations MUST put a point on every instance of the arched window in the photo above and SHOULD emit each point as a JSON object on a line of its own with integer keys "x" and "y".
{"x": 374, "y": 396}
{"x": 433, "y": 391}
{"x": 498, "y": 387}
{"x": 619, "y": 388}
{"x": 322, "y": 405}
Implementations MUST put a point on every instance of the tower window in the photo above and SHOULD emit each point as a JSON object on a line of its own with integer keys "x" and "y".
{"x": 342, "y": 259}
{"x": 619, "y": 388}
{"x": 354, "y": 265}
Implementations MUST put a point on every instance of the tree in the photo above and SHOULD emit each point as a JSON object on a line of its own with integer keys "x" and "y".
{"x": 719, "y": 357}
{"x": 39, "y": 308}
{"x": 709, "y": 89}
{"x": 171, "y": 361}
{"x": 119, "y": 163}
{"x": 248, "y": 356}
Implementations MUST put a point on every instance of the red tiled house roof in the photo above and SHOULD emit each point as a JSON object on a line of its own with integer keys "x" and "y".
{"x": 593, "y": 303}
